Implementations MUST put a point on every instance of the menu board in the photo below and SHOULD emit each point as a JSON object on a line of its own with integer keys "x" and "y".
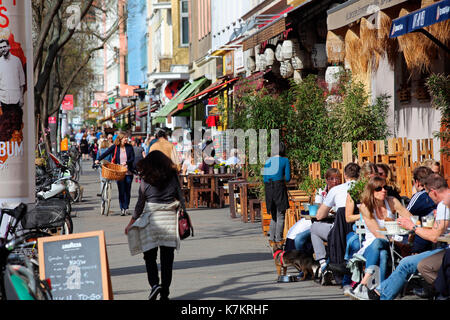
{"x": 76, "y": 265}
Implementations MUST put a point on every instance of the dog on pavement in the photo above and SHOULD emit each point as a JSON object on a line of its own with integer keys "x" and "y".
{"x": 301, "y": 261}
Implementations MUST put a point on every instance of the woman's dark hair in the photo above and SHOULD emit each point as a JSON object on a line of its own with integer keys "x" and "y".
{"x": 367, "y": 196}
{"x": 156, "y": 169}
{"x": 282, "y": 149}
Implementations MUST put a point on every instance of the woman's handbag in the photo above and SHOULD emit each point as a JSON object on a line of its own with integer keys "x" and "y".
{"x": 185, "y": 228}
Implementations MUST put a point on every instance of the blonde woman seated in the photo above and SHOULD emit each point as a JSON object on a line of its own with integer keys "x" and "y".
{"x": 376, "y": 208}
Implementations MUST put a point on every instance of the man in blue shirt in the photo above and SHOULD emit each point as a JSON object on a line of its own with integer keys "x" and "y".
{"x": 421, "y": 205}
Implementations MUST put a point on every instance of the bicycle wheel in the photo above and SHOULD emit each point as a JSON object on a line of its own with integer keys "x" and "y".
{"x": 74, "y": 190}
{"x": 107, "y": 197}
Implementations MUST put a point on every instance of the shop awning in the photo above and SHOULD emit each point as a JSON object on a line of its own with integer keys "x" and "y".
{"x": 118, "y": 113}
{"x": 421, "y": 18}
{"x": 352, "y": 10}
{"x": 210, "y": 91}
{"x": 185, "y": 92}
{"x": 184, "y": 106}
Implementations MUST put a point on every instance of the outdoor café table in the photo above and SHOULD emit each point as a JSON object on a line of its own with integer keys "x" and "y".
{"x": 444, "y": 238}
{"x": 214, "y": 182}
{"x": 390, "y": 237}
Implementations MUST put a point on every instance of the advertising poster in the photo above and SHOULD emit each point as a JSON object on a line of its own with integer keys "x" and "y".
{"x": 17, "y": 172}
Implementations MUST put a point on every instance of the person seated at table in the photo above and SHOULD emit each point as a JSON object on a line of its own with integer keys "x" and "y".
{"x": 277, "y": 171}
{"x": 437, "y": 189}
{"x": 300, "y": 233}
{"x": 434, "y": 165}
{"x": 435, "y": 270}
{"x": 320, "y": 230}
{"x": 233, "y": 159}
{"x": 376, "y": 208}
{"x": 421, "y": 205}
{"x": 189, "y": 165}
{"x": 208, "y": 160}
{"x": 352, "y": 241}
{"x": 368, "y": 170}
{"x": 385, "y": 171}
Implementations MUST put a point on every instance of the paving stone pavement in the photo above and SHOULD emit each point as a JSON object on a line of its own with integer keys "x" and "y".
{"x": 225, "y": 260}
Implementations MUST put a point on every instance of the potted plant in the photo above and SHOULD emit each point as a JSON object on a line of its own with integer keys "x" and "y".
{"x": 310, "y": 186}
{"x": 216, "y": 168}
{"x": 356, "y": 189}
{"x": 222, "y": 168}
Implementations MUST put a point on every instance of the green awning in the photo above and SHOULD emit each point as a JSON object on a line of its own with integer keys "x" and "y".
{"x": 185, "y": 92}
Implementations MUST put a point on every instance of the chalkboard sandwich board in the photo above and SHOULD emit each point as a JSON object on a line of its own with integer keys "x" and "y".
{"x": 77, "y": 266}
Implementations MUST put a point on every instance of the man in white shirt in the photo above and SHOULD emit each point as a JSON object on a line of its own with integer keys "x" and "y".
{"x": 12, "y": 88}
{"x": 336, "y": 197}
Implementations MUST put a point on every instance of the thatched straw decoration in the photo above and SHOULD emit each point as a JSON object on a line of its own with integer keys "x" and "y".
{"x": 389, "y": 46}
{"x": 418, "y": 50}
{"x": 368, "y": 34}
{"x": 354, "y": 55}
{"x": 335, "y": 48}
{"x": 440, "y": 30}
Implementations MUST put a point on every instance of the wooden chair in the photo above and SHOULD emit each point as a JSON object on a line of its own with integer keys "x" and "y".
{"x": 224, "y": 196}
{"x": 254, "y": 208}
{"x": 314, "y": 170}
{"x": 298, "y": 197}
{"x": 203, "y": 190}
{"x": 265, "y": 218}
{"x": 347, "y": 153}
{"x": 424, "y": 149}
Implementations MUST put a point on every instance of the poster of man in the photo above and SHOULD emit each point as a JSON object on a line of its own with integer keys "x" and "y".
{"x": 12, "y": 89}
{"x": 17, "y": 175}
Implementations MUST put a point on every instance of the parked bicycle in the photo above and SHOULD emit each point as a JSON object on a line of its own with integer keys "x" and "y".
{"x": 105, "y": 193}
{"x": 19, "y": 269}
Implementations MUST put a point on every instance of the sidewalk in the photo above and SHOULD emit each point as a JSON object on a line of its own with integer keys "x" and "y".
{"x": 227, "y": 259}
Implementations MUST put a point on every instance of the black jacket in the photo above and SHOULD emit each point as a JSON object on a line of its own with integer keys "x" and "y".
{"x": 337, "y": 238}
{"x": 276, "y": 197}
{"x": 115, "y": 151}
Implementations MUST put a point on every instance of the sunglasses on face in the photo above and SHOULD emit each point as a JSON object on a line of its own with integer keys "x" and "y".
{"x": 378, "y": 189}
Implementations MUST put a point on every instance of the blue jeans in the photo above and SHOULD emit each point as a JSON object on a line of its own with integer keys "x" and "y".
{"x": 392, "y": 286}
{"x": 353, "y": 245}
{"x": 301, "y": 239}
{"x": 377, "y": 255}
{"x": 124, "y": 187}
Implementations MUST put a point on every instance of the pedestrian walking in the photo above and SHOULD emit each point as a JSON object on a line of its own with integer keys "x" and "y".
{"x": 139, "y": 153}
{"x": 84, "y": 147}
{"x": 154, "y": 222}
{"x": 277, "y": 172}
{"x": 123, "y": 154}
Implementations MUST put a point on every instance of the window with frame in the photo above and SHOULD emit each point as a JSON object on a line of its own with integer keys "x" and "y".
{"x": 184, "y": 23}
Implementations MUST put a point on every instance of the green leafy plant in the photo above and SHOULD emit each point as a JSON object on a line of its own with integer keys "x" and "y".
{"x": 310, "y": 186}
{"x": 439, "y": 88}
{"x": 356, "y": 189}
{"x": 355, "y": 118}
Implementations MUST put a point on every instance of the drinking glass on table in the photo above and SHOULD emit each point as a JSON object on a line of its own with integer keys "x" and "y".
{"x": 428, "y": 221}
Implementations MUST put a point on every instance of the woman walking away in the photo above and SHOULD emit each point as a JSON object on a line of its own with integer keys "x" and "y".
{"x": 154, "y": 222}
{"x": 277, "y": 172}
{"x": 122, "y": 154}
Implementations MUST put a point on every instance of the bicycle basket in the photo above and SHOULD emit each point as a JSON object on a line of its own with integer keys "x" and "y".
{"x": 113, "y": 171}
